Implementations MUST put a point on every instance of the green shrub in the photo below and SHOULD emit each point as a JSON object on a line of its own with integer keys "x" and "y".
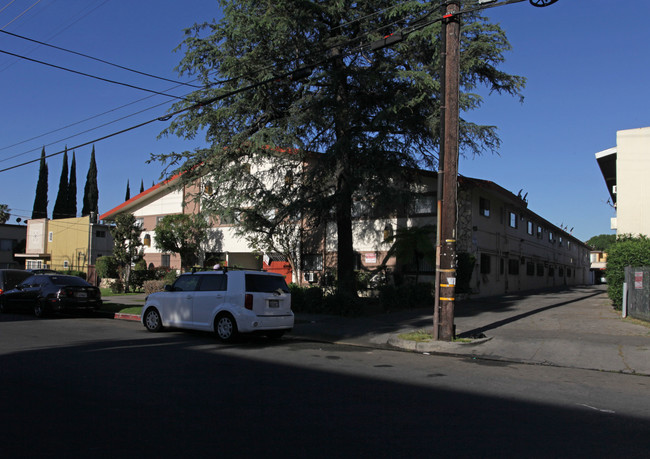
{"x": 153, "y": 286}
{"x": 106, "y": 267}
{"x": 627, "y": 251}
{"x": 306, "y": 299}
{"x": 117, "y": 286}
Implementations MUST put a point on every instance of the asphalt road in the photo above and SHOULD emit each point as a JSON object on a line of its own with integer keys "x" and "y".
{"x": 88, "y": 387}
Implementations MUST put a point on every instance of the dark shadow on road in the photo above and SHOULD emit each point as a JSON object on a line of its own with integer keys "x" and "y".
{"x": 180, "y": 396}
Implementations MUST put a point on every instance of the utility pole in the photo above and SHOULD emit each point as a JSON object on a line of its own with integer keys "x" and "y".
{"x": 443, "y": 317}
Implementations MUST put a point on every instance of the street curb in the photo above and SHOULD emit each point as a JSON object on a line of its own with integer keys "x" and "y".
{"x": 121, "y": 316}
{"x": 436, "y": 346}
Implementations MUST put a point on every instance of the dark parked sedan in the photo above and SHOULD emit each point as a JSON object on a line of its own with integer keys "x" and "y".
{"x": 52, "y": 292}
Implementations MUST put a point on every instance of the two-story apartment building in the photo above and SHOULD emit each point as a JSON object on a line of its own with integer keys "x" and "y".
{"x": 513, "y": 248}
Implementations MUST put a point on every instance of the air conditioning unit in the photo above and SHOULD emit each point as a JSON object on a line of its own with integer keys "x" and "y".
{"x": 311, "y": 277}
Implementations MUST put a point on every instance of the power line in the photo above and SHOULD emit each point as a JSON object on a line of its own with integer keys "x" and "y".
{"x": 21, "y": 14}
{"x": 98, "y": 60}
{"x": 89, "y": 75}
{"x": 275, "y": 78}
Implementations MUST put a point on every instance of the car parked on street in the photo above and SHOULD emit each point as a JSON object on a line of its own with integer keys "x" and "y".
{"x": 45, "y": 293}
{"x": 224, "y": 302}
{"x": 9, "y": 278}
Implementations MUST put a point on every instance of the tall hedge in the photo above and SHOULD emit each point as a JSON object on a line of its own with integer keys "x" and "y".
{"x": 627, "y": 251}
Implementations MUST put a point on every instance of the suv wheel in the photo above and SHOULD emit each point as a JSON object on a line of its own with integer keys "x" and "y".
{"x": 226, "y": 328}
{"x": 152, "y": 320}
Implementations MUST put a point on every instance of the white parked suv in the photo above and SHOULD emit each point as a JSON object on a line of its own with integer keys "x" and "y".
{"x": 225, "y": 302}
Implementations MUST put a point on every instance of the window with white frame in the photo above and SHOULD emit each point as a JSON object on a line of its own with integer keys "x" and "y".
{"x": 512, "y": 220}
{"x": 425, "y": 204}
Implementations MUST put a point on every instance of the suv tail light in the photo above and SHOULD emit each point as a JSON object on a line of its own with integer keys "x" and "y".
{"x": 248, "y": 301}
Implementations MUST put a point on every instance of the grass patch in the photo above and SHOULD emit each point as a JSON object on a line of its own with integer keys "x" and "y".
{"x": 421, "y": 336}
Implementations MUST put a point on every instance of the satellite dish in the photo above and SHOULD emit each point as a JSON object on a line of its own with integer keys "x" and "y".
{"x": 542, "y": 3}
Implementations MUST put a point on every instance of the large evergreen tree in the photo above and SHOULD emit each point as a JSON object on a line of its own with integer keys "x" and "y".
{"x": 61, "y": 204}
{"x": 363, "y": 118}
{"x": 91, "y": 192}
{"x": 127, "y": 195}
{"x": 40, "y": 198}
{"x": 71, "y": 207}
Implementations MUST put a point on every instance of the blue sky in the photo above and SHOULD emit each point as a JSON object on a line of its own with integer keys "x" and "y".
{"x": 585, "y": 61}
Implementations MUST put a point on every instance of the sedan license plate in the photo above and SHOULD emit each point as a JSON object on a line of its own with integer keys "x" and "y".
{"x": 81, "y": 294}
{"x": 274, "y": 304}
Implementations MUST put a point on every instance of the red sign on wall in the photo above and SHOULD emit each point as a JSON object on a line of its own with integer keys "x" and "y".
{"x": 638, "y": 280}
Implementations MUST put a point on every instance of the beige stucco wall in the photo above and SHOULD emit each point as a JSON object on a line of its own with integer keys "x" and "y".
{"x": 632, "y": 184}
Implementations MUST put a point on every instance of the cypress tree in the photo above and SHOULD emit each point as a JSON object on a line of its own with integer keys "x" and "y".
{"x": 71, "y": 207}
{"x": 128, "y": 192}
{"x": 40, "y": 199}
{"x": 60, "y": 205}
{"x": 91, "y": 192}
{"x": 141, "y": 185}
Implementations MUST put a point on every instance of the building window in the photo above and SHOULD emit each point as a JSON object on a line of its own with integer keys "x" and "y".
{"x": 425, "y": 204}
{"x": 551, "y": 271}
{"x": 485, "y": 263}
{"x": 560, "y": 271}
{"x": 484, "y": 207}
{"x": 550, "y": 237}
{"x": 312, "y": 262}
{"x": 100, "y": 234}
{"x": 540, "y": 232}
{"x": 139, "y": 222}
{"x": 540, "y": 269}
{"x": 560, "y": 241}
{"x": 531, "y": 228}
{"x": 568, "y": 272}
{"x": 165, "y": 261}
{"x": 512, "y": 220}
{"x": 530, "y": 268}
{"x": 66, "y": 264}
{"x": 513, "y": 267}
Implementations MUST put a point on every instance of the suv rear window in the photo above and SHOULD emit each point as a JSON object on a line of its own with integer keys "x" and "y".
{"x": 265, "y": 283}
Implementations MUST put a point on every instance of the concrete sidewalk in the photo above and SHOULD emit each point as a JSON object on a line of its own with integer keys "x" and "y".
{"x": 574, "y": 328}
